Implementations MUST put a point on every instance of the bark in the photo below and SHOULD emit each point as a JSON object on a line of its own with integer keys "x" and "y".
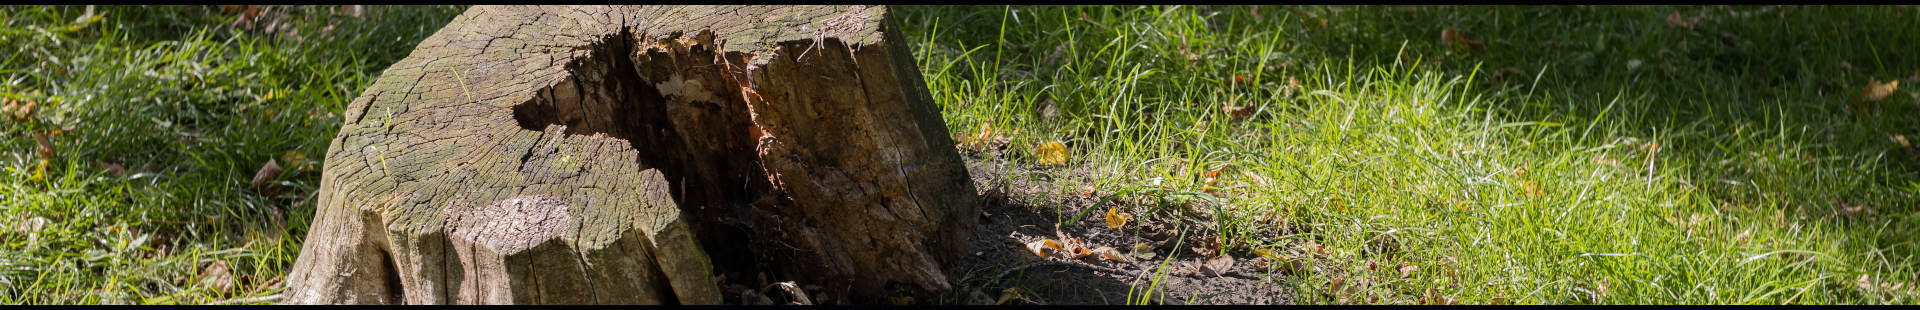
{"x": 575, "y": 154}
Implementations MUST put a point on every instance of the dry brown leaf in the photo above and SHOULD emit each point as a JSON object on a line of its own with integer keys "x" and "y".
{"x": 1052, "y": 153}
{"x": 1115, "y": 219}
{"x": 116, "y": 169}
{"x": 1255, "y": 177}
{"x": 21, "y": 113}
{"x": 1219, "y": 265}
{"x": 1877, "y": 90}
{"x": 46, "y": 147}
{"x": 1108, "y": 253}
{"x": 1076, "y": 251}
{"x": 217, "y": 277}
{"x": 267, "y": 172}
{"x": 1456, "y": 36}
{"x": 1239, "y": 79}
{"x": 1338, "y": 287}
{"x": 1238, "y": 111}
{"x": 1305, "y": 16}
{"x": 31, "y": 225}
{"x": 1009, "y": 294}
{"x": 1043, "y": 247}
{"x": 1674, "y": 19}
{"x": 1408, "y": 270}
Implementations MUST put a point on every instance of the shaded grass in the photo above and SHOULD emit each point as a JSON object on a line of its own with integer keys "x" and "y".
{"x": 1726, "y": 166}
{"x": 166, "y": 113}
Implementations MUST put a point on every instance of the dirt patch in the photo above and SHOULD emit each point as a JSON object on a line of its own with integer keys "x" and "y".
{"x": 1022, "y": 206}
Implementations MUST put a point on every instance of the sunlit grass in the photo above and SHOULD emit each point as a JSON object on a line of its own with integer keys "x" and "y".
{"x": 1718, "y": 168}
{"x": 165, "y": 114}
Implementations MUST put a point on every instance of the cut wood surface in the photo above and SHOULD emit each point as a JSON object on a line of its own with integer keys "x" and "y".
{"x": 576, "y": 154}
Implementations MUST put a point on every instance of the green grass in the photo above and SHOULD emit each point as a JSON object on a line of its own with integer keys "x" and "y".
{"x": 1543, "y": 168}
{"x": 189, "y": 107}
{"x": 1726, "y": 167}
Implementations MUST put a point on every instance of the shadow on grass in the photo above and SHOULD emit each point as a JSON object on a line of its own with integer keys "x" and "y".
{"x": 1758, "y": 107}
{"x": 1756, "y": 110}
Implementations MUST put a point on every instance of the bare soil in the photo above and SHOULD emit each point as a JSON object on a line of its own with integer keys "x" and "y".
{"x": 1022, "y": 206}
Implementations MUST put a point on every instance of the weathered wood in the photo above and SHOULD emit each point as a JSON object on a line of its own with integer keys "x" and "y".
{"x": 626, "y": 154}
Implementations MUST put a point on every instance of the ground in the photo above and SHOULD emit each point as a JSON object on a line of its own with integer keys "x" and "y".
{"x": 1382, "y": 154}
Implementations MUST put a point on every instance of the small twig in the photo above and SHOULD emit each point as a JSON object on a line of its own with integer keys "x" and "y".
{"x": 248, "y": 300}
{"x": 1003, "y": 274}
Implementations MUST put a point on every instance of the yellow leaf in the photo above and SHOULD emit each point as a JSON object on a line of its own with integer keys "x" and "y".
{"x": 1877, "y": 90}
{"x": 40, "y": 172}
{"x": 1264, "y": 253}
{"x": 1040, "y": 247}
{"x": 1052, "y": 153}
{"x": 1078, "y": 252}
{"x": 1115, "y": 219}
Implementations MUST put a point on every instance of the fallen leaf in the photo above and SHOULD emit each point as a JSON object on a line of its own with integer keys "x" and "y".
{"x": 1338, "y": 287}
{"x": 1407, "y": 271}
{"x": 1238, "y": 111}
{"x": 22, "y": 113}
{"x": 978, "y": 140}
{"x": 46, "y": 147}
{"x": 1310, "y": 16}
{"x": 1114, "y": 218}
{"x": 1239, "y": 79}
{"x": 267, "y": 172}
{"x": 1075, "y": 251}
{"x": 296, "y": 161}
{"x": 1674, "y": 19}
{"x": 1052, "y": 153}
{"x": 1257, "y": 178}
{"x": 1043, "y": 247}
{"x": 39, "y": 172}
{"x": 1143, "y": 251}
{"x": 1219, "y": 265}
{"x": 217, "y": 277}
{"x": 1009, "y": 294}
{"x": 1877, "y": 90}
{"x": 1205, "y": 251}
{"x": 1108, "y": 253}
{"x": 1264, "y": 253}
{"x": 1456, "y": 36}
{"x": 32, "y": 225}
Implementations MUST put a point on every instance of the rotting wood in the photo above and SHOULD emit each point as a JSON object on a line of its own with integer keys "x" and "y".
{"x": 598, "y": 154}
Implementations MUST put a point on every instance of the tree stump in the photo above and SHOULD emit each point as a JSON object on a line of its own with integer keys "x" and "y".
{"x": 574, "y": 154}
